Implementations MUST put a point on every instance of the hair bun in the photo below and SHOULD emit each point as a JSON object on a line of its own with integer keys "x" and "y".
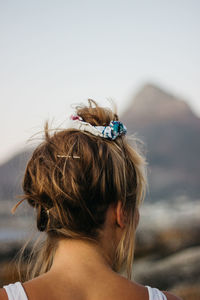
{"x": 96, "y": 115}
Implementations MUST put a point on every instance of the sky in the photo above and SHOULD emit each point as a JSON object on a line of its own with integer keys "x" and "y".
{"x": 55, "y": 54}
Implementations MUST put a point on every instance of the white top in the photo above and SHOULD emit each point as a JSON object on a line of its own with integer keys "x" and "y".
{"x": 15, "y": 291}
{"x": 155, "y": 294}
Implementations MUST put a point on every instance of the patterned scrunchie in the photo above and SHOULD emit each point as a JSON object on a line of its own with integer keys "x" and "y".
{"x": 111, "y": 132}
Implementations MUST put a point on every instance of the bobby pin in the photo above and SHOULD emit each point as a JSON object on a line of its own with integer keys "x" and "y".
{"x": 74, "y": 156}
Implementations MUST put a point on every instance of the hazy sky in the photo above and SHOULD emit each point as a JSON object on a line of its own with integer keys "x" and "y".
{"x": 55, "y": 53}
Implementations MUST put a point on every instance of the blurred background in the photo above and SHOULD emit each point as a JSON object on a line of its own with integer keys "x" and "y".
{"x": 145, "y": 56}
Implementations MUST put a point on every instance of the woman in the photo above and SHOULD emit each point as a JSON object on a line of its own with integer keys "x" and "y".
{"x": 86, "y": 184}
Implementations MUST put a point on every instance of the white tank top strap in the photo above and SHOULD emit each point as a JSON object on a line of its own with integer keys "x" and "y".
{"x": 155, "y": 294}
{"x": 15, "y": 291}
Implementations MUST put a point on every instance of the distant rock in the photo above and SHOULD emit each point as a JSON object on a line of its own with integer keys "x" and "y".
{"x": 182, "y": 267}
{"x": 187, "y": 291}
{"x": 163, "y": 242}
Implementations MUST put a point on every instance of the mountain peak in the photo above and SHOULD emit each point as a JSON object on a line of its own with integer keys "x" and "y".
{"x": 152, "y": 103}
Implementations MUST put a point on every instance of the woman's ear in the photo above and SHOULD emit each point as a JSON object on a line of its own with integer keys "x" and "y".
{"x": 120, "y": 217}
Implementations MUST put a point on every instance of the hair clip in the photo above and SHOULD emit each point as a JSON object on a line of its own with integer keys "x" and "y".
{"x": 69, "y": 156}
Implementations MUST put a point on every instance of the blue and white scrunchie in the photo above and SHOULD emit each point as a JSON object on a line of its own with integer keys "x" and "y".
{"x": 111, "y": 132}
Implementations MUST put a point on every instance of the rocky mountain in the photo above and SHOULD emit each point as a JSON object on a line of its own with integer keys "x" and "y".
{"x": 153, "y": 105}
{"x": 170, "y": 131}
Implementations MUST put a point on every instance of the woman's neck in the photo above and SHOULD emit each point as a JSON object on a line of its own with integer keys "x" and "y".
{"x": 80, "y": 256}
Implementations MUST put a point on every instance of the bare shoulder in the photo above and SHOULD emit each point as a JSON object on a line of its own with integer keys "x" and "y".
{"x": 171, "y": 296}
{"x": 131, "y": 289}
{"x": 138, "y": 291}
{"x": 3, "y": 294}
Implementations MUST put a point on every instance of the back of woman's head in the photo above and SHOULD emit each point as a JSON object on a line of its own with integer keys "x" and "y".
{"x": 74, "y": 176}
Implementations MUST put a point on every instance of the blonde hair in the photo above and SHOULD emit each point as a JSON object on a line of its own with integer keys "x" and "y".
{"x": 71, "y": 180}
